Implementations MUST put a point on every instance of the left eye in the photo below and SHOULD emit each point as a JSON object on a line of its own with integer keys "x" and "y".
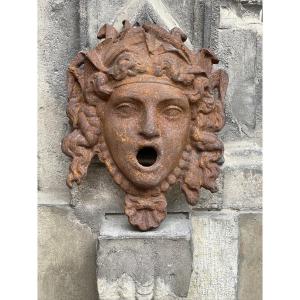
{"x": 172, "y": 111}
{"x": 126, "y": 109}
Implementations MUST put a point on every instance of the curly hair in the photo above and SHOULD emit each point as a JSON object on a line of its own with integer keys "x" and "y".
{"x": 137, "y": 51}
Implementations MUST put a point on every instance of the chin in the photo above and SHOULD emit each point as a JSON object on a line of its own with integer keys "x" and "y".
{"x": 147, "y": 181}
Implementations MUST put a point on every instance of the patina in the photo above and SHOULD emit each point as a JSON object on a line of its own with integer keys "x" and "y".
{"x": 149, "y": 108}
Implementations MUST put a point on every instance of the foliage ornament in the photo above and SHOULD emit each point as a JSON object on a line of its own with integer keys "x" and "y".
{"x": 149, "y": 108}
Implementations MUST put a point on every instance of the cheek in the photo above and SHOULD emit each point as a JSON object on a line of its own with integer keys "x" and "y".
{"x": 119, "y": 130}
{"x": 175, "y": 132}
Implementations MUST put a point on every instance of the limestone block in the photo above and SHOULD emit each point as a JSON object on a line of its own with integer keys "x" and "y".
{"x": 58, "y": 42}
{"x": 243, "y": 189}
{"x": 239, "y": 49}
{"x": 215, "y": 259}
{"x": 209, "y": 200}
{"x": 198, "y": 19}
{"x": 66, "y": 256}
{"x": 144, "y": 265}
{"x": 250, "y": 257}
{"x": 242, "y": 175}
{"x": 95, "y": 13}
{"x": 98, "y": 190}
{"x": 259, "y": 82}
{"x": 240, "y": 13}
{"x": 176, "y": 200}
{"x": 237, "y": 187}
{"x": 237, "y": 54}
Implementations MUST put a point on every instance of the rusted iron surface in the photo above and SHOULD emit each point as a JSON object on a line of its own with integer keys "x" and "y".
{"x": 149, "y": 108}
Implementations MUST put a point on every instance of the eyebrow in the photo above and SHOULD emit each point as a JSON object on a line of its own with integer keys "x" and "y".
{"x": 128, "y": 98}
{"x": 180, "y": 99}
{"x": 176, "y": 100}
{"x": 136, "y": 97}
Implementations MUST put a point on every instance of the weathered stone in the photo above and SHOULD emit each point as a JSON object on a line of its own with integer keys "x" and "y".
{"x": 243, "y": 189}
{"x": 242, "y": 175}
{"x": 66, "y": 256}
{"x": 237, "y": 55}
{"x": 144, "y": 265}
{"x": 259, "y": 83}
{"x": 198, "y": 19}
{"x": 134, "y": 11}
{"x": 99, "y": 190}
{"x": 58, "y": 41}
{"x": 238, "y": 156}
{"x": 98, "y": 195}
{"x": 250, "y": 257}
{"x": 212, "y": 201}
{"x": 176, "y": 200}
{"x": 215, "y": 245}
{"x": 182, "y": 12}
{"x": 242, "y": 153}
{"x": 237, "y": 14}
{"x": 239, "y": 49}
{"x": 207, "y": 200}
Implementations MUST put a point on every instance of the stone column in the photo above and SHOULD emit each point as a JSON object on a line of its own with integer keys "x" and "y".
{"x": 155, "y": 264}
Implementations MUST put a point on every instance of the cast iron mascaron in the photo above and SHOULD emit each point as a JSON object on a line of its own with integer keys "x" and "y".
{"x": 149, "y": 108}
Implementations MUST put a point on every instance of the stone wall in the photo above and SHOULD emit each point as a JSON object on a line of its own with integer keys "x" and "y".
{"x": 226, "y": 226}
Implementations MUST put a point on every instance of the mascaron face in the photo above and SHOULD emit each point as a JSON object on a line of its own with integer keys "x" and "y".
{"x": 146, "y": 128}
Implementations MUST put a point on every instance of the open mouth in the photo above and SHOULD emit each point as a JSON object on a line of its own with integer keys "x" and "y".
{"x": 146, "y": 156}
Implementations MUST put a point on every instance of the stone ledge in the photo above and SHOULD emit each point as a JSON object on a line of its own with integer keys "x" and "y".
{"x": 54, "y": 197}
{"x": 175, "y": 226}
{"x": 239, "y": 154}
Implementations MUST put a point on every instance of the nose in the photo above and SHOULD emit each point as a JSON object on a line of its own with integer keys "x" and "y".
{"x": 149, "y": 127}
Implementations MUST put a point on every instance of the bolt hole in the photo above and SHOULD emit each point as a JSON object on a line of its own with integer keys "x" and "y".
{"x": 146, "y": 156}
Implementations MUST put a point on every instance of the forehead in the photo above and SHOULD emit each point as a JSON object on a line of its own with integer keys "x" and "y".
{"x": 144, "y": 91}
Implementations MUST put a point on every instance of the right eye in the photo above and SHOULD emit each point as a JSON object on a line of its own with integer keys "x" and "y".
{"x": 173, "y": 111}
{"x": 126, "y": 109}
